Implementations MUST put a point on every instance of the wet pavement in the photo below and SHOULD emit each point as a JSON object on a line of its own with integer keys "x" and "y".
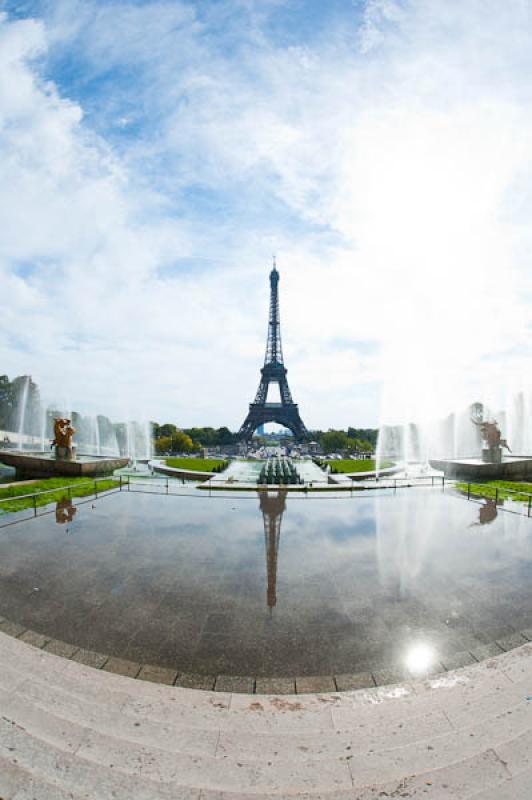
{"x": 272, "y": 585}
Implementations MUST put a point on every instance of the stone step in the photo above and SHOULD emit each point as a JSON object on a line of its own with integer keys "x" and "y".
{"x": 35, "y": 699}
{"x": 13, "y": 779}
{"x": 19, "y": 784}
{"x": 116, "y": 763}
{"x": 341, "y": 743}
{"x": 192, "y": 733}
{"x": 508, "y": 730}
{"x": 455, "y": 782}
{"x": 323, "y": 712}
{"x": 101, "y": 757}
{"x": 285, "y": 754}
{"x": 348, "y": 714}
{"x": 516, "y": 787}
{"x": 120, "y": 737}
{"x": 67, "y": 772}
{"x": 64, "y": 721}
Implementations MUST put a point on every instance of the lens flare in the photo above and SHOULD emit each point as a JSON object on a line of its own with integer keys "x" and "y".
{"x": 419, "y": 658}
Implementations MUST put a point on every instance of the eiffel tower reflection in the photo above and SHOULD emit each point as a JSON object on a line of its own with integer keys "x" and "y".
{"x": 272, "y": 506}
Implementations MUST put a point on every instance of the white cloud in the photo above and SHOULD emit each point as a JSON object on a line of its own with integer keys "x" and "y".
{"x": 395, "y": 157}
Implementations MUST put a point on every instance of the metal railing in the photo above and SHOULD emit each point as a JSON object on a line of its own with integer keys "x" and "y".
{"x": 164, "y": 485}
{"x": 387, "y": 481}
{"x": 119, "y": 480}
{"x": 498, "y": 495}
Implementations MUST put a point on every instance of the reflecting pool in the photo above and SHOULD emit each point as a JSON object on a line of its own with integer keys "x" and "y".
{"x": 271, "y": 584}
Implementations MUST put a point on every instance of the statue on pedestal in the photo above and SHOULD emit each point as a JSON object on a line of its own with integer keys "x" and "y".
{"x": 65, "y": 511}
{"x": 493, "y": 441}
{"x": 63, "y": 433}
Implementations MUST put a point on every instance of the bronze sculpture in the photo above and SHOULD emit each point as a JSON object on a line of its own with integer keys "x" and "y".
{"x": 491, "y": 434}
{"x": 493, "y": 441}
{"x": 65, "y": 511}
{"x": 63, "y": 433}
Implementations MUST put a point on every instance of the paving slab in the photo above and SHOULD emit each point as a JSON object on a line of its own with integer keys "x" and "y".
{"x": 457, "y": 660}
{"x": 353, "y": 681}
{"x": 510, "y": 642}
{"x": 236, "y": 683}
{"x": 518, "y": 787}
{"x": 483, "y": 651}
{"x": 37, "y": 790}
{"x": 388, "y": 676}
{"x": 12, "y": 779}
{"x": 90, "y": 658}
{"x": 60, "y": 648}
{"x": 11, "y": 628}
{"x": 315, "y": 684}
{"x": 157, "y": 675}
{"x": 516, "y": 753}
{"x": 190, "y": 680}
{"x": 275, "y": 686}
{"x": 120, "y": 666}
{"x": 34, "y": 638}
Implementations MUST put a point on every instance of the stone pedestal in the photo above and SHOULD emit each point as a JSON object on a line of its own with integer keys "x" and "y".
{"x": 65, "y": 453}
{"x": 492, "y": 455}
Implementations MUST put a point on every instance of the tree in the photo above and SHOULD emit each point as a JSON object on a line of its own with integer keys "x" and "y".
{"x": 334, "y": 440}
{"x": 163, "y": 445}
{"x": 7, "y": 403}
{"x": 166, "y": 430}
{"x": 225, "y": 436}
{"x": 182, "y": 443}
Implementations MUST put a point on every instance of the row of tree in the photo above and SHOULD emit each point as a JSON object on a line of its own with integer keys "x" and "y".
{"x": 354, "y": 440}
{"x": 170, "y": 439}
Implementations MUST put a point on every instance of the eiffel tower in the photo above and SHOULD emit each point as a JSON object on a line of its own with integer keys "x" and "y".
{"x": 286, "y": 412}
{"x": 273, "y": 507}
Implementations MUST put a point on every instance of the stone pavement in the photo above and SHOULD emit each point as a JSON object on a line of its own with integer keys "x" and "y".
{"x": 68, "y": 730}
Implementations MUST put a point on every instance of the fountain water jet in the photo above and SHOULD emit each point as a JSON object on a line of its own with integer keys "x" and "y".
{"x": 454, "y": 439}
{"x": 23, "y": 405}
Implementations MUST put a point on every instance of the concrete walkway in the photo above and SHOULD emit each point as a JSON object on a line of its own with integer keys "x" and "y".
{"x": 70, "y": 731}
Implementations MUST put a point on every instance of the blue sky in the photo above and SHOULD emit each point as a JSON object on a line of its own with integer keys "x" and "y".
{"x": 156, "y": 155}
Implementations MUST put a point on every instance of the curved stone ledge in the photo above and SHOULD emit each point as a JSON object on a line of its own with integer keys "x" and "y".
{"x": 184, "y": 474}
{"x": 68, "y": 731}
{"x": 382, "y": 676}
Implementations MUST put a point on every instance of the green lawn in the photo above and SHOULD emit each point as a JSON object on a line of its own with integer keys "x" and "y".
{"x": 196, "y": 464}
{"x": 80, "y": 488}
{"x": 489, "y": 488}
{"x": 355, "y": 465}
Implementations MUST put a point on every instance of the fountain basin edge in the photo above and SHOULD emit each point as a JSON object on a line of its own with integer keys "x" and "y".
{"x": 512, "y": 468}
{"x": 39, "y": 465}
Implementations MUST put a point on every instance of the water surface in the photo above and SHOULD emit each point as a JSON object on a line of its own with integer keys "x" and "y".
{"x": 276, "y": 584}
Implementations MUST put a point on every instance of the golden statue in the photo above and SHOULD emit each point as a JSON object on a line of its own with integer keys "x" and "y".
{"x": 63, "y": 433}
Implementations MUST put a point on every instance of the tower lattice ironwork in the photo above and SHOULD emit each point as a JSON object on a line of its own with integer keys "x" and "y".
{"x": 285, "y": 412}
